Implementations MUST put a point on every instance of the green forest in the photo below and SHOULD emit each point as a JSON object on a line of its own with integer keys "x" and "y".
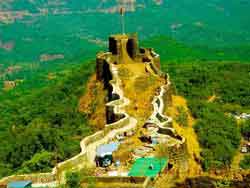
{"x": 218, "y": 132}
{"x": 211, "y": 32}
{"x": 48, "y": 50}
{"x": 43, "y": 127}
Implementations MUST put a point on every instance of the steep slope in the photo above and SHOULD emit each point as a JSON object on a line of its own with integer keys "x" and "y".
{"x": 45, "y": 127}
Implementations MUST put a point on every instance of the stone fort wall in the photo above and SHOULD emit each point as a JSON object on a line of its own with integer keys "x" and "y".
{"x": 118, "y": 120}
{"x": 90, "y": 143}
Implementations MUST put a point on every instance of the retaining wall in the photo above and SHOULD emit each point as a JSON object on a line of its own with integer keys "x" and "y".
{"x": 158, "y": 118}
{"x": 124, "y": 182}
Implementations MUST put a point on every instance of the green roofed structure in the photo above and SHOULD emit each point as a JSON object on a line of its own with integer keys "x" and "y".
{"x": 149, "y": 167}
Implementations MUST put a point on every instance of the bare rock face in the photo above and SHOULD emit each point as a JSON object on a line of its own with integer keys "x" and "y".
{"x": 8, "y": 46}
{"x": 8, "y": 85}
{"x": 158, "y": 2}
{"x": 111, "y": 6}
{"x": 50, "y": 57}
{"x": 167, "y": 97}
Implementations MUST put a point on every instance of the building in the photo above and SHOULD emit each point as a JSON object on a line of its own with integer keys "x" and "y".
{"x": 124, "y": 49}
{"x": 20, "y": 184}
{"x": 148, "y": 166}
{"x": 104, "y": 157}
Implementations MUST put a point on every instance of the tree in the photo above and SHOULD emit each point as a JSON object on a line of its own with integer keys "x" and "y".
{"x": 5, "y": 169}
{"x": 73, "y": 179}
{"x": 182, "y": 118}
{"x": 40, "y": 162}
{"x": 43, "y": 122}
{"x": 219, "y": 137}
{"x": 245, "y": 129}
{"x": 245, "y": 163}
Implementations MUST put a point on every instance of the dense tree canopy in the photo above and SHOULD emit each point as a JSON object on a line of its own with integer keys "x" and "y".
{"x": 245, "y": 163}
{"x": 44, "y": 127}
{"x": 217, "y": 131}
{"x": 245, "y": 129}
{"x": 228, "y": 81}
{"x": 218, "y": 135}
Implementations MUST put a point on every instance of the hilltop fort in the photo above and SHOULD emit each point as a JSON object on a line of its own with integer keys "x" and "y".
{"x": 127, "y": 70}
{"x": 136, "y": 124}
{"x": 135, "y": 68}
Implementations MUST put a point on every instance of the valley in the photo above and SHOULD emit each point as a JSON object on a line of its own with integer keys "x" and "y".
{"x": 52, "y": 104}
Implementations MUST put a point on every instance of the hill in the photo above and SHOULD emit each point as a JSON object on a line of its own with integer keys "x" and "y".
{"x": 44, "y": 127}
{"x": 45, "y": 50}
{"x": 42, "y": 37}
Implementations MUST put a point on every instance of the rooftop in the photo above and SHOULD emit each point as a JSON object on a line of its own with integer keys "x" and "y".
{"x": 19, "y": 184}
{"x": 106, "y": 149}
{"x": 149, "y": 167}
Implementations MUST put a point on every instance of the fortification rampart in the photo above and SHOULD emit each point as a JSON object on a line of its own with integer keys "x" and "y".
{"x": 122, "y": 49}
{"x": 124, "y": 182}
{"x": 90, "y": 143}
{"x": 162, "y": 121}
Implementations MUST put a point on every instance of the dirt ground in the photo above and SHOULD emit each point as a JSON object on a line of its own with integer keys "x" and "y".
{"x": 93, "y": 103}
{"x": 139, "y": 87}
{"x": 187, "y": 132}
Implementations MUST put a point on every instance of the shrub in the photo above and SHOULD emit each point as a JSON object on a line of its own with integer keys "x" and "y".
{"x": 40, "y": 162}
{"x": 245, "y": 163}
{"x": 73, "y": 180}
{"x": 182, "y": 118}
{"x": 245, "y": 129}
{"x": 218, "y": 135}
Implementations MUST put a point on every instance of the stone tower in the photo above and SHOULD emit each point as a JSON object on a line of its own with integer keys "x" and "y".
{"x": 124, "y": 49}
